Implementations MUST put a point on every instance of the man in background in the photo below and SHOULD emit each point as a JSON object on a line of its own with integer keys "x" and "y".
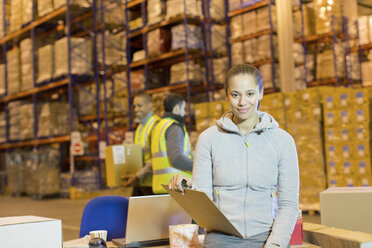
{"x": 146, "y": 119}
{"x": 170, "y": 147}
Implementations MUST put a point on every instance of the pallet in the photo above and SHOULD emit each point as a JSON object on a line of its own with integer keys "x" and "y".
{"x": 45, "y": 196}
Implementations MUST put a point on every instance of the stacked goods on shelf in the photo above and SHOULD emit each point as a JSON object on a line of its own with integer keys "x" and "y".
{"x": 273, "y": 104}
{"x": 309, "y": 24}
{"x": 220, "y": 67}
{"x": 7, "y": 16}
{"x": 86, "y": 181}
{"x": 15, "y": 15}
{"x": 207, "y": 113}
{"x": 118, "y": 101}
{"x": 326, "y": 59}
{"x": 194, "y": 37}
{"x": 157, "y": 77}
{"x": 42, "y": 171}
{"x": 156, "y": 11}
{"x": 113, "y": 13}
{"x": 15, "y": 169}
{"x": 27, "y": 65}
{"x": 27, "y": 121}
{"x": 66, "y": 179}
{"x": 260, "y": 48}
{"x": 13, "y": 70}
{"x": 81, "y": 56}
{"x": 86, "y": 101}
{"x": 2, "y": 127}
{"x": 139, "y": 55}
{"x": 158, "y": 102}
{"x": 135, "y": 19}
{"x": 234, "y": 5}
{"x": 158, "y": 42}
{"x": 115, "y": 49}
{"x": 44, "y": 7}
{"x": 303, "y": 120}
{"x": 347, "y": 135}
{"x": 137, "y": 81}
{"x": 53, "y": 119}
{"x": 299, "y": 70}
{"x": 367, "y": 70}
{"x": 27, "y": 9}
{"x": 217, "y": 10}
{"x": 81, "y": 3}
{"x": 2, "y": 79}
{"x": 178, "y": 7}
{"x": 219, "y": 45}
{"x": 328, "y": 16}
{"x": 14, "y": 115}
{"x": 194, "y": 69}
{"x": 46, "y": 66}
{"x": 365, "y": 29}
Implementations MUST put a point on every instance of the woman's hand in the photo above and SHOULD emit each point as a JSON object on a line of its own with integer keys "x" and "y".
{"x": 176, "y": 183}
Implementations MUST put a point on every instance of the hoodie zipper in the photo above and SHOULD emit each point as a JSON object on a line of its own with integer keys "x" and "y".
{"x": 246, "y": 185}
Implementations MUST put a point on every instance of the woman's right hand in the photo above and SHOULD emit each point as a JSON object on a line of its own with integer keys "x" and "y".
{"x": 176, "y": 183}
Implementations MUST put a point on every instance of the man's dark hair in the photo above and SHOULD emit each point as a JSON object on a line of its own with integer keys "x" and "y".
{"x": 172, "y": 100}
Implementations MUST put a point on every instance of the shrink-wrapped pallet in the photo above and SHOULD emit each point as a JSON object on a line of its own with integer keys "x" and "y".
{"x": 328, "y": 16}
{"x": 53, "y": 119}
{"x": 2, "y": 127}
{"x": 194, "y": 37}
{"x": 115, "y": 52}
{"x": 220, "y": 67}
{"x": 264, "y": 47}
{"x": 15, "y": 15}
{"x": 7, "y": 17}
{"x": 236, "y": 26}
{"x": 267, "y": 75}
{"x": 27, "y": 121}
{"x": 364, "y": 29}
{"x": 13, "y": 70}
{"x": 178, "y": 72}
{"x": 249, "y": 20}
{"x": 325, "y": 63}
{"x": 219, "y": 39}
{"x": 44, "y": 7}
{"x": 113, "y": 13}
{"x": 158, "y": 42}
{"x": 46, "y": 66}
{"x": 119, "y": 101}
{"x": 156, "y": 11}
{"x": 15, "y": 172}
{"x": 178, "y": 7}
{"x": 14, "y": 119}
{"x": 87, "y": 103}
{"x": 234, "y": 4}
{"x": 263, "y": 17}
{"x": 27, "y": 65}
{"x": 2, "y": 79}
{"x": 237, "y": 53}
{"x": 137, "y": 81}
{"x": 27, "y": 9}
{"x": 250, "y": 51}
{"x": 81, "y": 57}
{"x": 367, "y": 73}
{"x": 217, "y": 10}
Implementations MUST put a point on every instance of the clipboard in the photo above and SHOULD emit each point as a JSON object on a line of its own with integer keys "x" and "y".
{"x": 198, "y": 205}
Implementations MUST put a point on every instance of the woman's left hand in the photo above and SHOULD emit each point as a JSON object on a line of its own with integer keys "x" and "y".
{"x": 176, "y": 183}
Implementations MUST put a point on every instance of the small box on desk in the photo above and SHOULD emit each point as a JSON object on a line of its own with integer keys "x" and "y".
{"x": 30, "y": 231}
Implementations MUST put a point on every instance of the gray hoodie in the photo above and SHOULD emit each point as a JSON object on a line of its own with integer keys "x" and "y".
{"x": 241, "y": 174}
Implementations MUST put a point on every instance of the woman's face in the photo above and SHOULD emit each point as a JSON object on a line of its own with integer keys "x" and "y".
{"x": 243, "y": 94}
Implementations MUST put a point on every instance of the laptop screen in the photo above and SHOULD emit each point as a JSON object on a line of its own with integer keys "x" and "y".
{"x": 149, "y": 218}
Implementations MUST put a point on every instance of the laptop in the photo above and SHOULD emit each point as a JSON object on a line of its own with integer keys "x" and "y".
{"x": 148, "y": 221}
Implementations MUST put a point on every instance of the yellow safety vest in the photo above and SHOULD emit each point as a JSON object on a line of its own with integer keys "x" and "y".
{"x": 162, "y": 167}
{"x": 143, "y": 137}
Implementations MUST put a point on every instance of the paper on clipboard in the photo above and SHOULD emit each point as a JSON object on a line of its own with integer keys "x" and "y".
{"x": 198, "y": 205}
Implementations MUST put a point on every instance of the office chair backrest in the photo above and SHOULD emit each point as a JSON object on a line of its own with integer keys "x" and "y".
{"x": 105, "y": 213}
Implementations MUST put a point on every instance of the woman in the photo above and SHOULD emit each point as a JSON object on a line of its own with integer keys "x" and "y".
{"x": 248, "y": 166}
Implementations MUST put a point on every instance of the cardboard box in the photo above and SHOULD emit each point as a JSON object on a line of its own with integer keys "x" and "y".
{"x": 30, "y": 231}
{"x": 348, "y": 208}
{"x": 122, "y": 160}
{"x": 325, "y": 236}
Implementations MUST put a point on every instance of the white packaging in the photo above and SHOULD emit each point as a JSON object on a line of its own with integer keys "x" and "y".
{"x": 219, "y": 39}
{"x": 45, "y": 63}
{"x": 177, "y": 7}
{"x": 30, "y": 231}
{"x": 237, "y": 53}
{"x": 250, "y": 50}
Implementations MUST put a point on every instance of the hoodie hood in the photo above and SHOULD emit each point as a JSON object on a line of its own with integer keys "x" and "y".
{"x": 266, "y": 122}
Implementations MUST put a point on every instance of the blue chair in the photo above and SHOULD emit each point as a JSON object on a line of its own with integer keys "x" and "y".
{"x": 105, "y": 213}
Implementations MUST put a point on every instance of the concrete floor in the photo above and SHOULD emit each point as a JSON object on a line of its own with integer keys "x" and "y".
{"x": 69, "y": 211}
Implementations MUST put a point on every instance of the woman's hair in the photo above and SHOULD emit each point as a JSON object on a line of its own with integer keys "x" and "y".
{"x": 244, "y": 69}
{"x": 172, "y": 100}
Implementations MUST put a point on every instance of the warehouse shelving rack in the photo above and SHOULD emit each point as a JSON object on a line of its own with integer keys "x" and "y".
{"x": 63, "y": 85}
{"x": 272, "y": 60}
{"x": 329, "y": 37}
